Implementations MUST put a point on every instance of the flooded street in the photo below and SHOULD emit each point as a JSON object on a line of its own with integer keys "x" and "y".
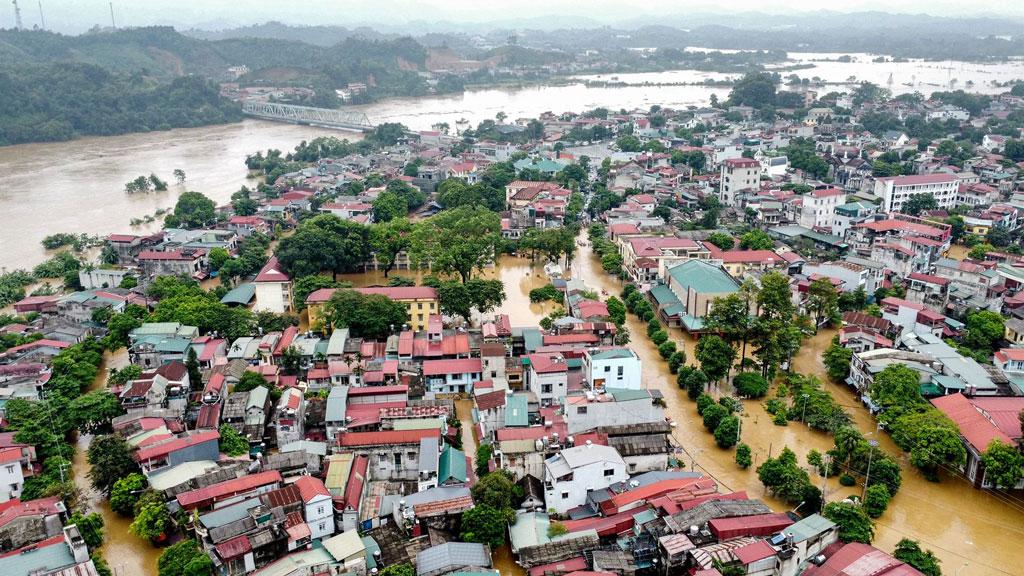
{"x": 960, "y": 524}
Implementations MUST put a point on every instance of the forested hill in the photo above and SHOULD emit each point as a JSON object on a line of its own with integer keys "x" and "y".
{"x": 57, "y": 87}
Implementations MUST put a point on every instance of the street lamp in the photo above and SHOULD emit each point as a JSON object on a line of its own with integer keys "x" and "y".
{"x": 867, "y": 478}
{"x": 803, "y": 415}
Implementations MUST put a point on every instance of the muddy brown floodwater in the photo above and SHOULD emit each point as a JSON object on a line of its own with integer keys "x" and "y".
{"x": 126, "y": 553}
{"x": 973, "y": 532}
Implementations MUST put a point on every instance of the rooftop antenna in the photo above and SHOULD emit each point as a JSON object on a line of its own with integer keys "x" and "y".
{"x": 17, "y": 15}
{"x": 42, "y": 19}
{"x": 112, "y": 23}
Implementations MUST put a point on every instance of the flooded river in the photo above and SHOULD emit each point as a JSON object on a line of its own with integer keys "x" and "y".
{"x": 78, "y": 186}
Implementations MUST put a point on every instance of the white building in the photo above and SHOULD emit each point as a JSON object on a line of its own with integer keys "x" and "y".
{"x": 616, "y": 407}
{"x": 819, "y": 207}
{"x": 11, "y": 478}
{"x": 548, "y": 377}
{"x": 738, "y": 174}
{"x": 318, "y": 509}
{"x": 895, "y": 190}
{"x": 573, "y": 473}
{"x": 289, "y": 417}
{"x": 273, "y": 288}
{"x": 614, "y": 368}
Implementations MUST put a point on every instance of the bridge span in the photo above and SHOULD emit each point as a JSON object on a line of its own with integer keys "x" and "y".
{"x": 325, "y": 117}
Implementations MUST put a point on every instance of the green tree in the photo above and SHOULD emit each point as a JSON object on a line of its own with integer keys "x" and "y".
{"x": 152, "y": 519}
{"x": 458, "y": 241}
{"x": 837, "y": 361}
{"x": 303, "y": 287}
{"x": 721, "y": 239}
{"x": 388, "y": 206}
{"x": 192, "y": 210}
{"x": 1004, "y": 465}
{"x": 693, "y": 380}
{"x": 980, "y": 251}
{"x": 325, "y": 242}
{"x": 750, "y": 384}
{"x": 485, "y": 524}
{"x": 365, "y": 315}
{"x": 715, "y": 356}
{"x": 94, "y": 409}
{"x": 125, "y": 493}
{"x": 676, "y": 360}
{"x": 389, "y": 239}
{"x": 483, "y": 456}
{"x": 910, "y": 551}
{"x": 666, "y": 349}
{"x": 743, "y": 456}
{"x": 727, "y": 432}
{"x": 713, "y": 416}
{"x": 876, "y": 500}
{"x": 784, "y": 478}
{"x": 497, "y": 490}
{"x": 110, "y": 458}
{"x": 186, "y": 558}
{"x": 918, "y": 203}
{"x": 90, "y": 527}
{"x": 754, "y": 89}
{"x": 405, "y": 569}
{"x": 853, "y": 521}
{"x": 984, "y": 331}
{"x": 217, "y": 257}
{"x": 823, "y": 301}
{"x": 231, "y": 442}
{"x": 756, "y": 240}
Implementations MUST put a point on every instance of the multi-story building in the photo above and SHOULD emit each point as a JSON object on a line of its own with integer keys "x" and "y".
{"x": 421, "y": 302}
{"x": 819, "y": 206}
{"x": 548, "y": 377}
{"x": 738, "y": 174}
{"x": 896, "y": 190}
{"x": 614, "y": 368}
{"x": 572, "y": 474}
{"x": 273, "y": 288}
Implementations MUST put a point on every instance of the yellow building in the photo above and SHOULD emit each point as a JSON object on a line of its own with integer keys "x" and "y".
{"x": 420, "y": 301}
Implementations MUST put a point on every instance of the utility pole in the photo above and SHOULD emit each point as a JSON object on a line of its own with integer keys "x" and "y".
{"x": 112, "y": 23}
{"x": 873, "y": 444}
{"x": 42, "y": 19}
{"x": 824, "y": 484}
{"x": 17, "y": 15}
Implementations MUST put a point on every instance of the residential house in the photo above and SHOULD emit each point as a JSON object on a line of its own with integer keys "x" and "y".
{"x": 451, "y": 376}
{"x": 696, "y": 284}
{"x": 273, "y": 288}
{"x": 24, "y": 523}
{"x": 613, "y": 368}
{"x": 393, "y": 454}
{"x": 738, "y": 175}
{"x": 573, "y": 473}
{"x": 896, "y": 190}
{"x": 547, "y": 377}
{"x": 290, "y": 416}
{"x": 982, "y": 421}
{"x": 818, "y": 208}
{"x": 318, "y": 508}
{"x": 185, "y": 262}
{"x": 614, "y": 407}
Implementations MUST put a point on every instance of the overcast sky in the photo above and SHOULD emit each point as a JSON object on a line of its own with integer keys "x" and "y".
{"x": 78, "y": 15}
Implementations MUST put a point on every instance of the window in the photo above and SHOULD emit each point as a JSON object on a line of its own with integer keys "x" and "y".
{"x": 632, "y": 466}
{"x": 398, "y": 460}
{"x": 319, "y": 510}
{"x": 607, "y": 368}
{"x": 609, "y": 472}
{"x": 321, "y": 526}
{"x": 419, "y": 306}
{"x": 620, "y": 371}
{"x": 545, "y": 388}
{"x": 10, "y": 469}
{"x": 382, "y": 458}
{"x": 565, "y": 495}
{"x": 581, "y": 409}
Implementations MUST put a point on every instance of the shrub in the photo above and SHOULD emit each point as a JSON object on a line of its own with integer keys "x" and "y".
{"x": 666, "y": 349}
{"x": 703, "y": 401}
{"x": 876, "y": 500}
{"x": 677, "y": 359}
{"x": 750, "y": 384}
{"x": 743, "y": 459}
{"x": 659, "y": 337}
{"x": 713, "y": 416}
{"x": 653, "y": 326}
{"x": 727, "y": 432}
{"x": 847, "y": 480}
{"x": 780, "y": 419}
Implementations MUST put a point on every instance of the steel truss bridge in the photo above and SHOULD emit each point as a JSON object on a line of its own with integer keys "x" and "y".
{"x": 325, "y": 117}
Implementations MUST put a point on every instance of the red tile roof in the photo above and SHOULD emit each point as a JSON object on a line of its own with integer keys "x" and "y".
{"x": 386, "y": 437}
{"x": 457, "y": 366}
{"x": 13, "y": 509}
{"x": 742, "y": 163}
{"x": 234, "y": 547}
{"x": 228, "y": 488}
{"x": 38, "y": 344}
{"x": 490, "y": 400}
{"x": 547, "y": 363}
{"x": 978, "y": 430}
{"x": 752, "y": 552}
{"x": 310, "y": 487}
{"x": 209, "y": 416}
{"x": 577, "y": 338}
{"x": 356, "y": 478}
{"x": 162, "y": 450}
{"x": 170, "y": 255}
{"x": 402, "y": 292}
{"x": 271, "y": 272}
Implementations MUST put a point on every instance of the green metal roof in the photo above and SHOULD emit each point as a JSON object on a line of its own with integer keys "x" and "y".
{"x": 810, "y": 527}
{"x": 612, "y": 354}
{"x": 703, "y": 278}
{"x": 627, "y": 394}
{"x": 241, "y": 294}
{"x": 574, "y": 362}
{"x": 452, "y": 465}
{"x": 664, "y": 296}
{"x": 532, "y": 339}
{"x": 517, "y": 411}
